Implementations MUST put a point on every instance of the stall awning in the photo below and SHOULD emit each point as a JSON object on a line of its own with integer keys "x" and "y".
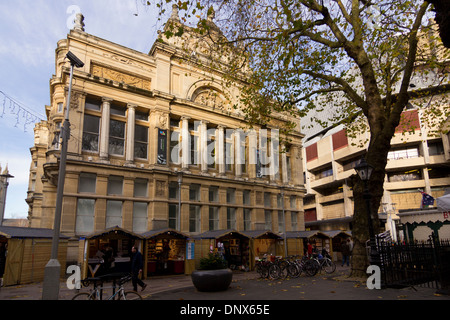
{"x": 24, "y": 232}
{"x": 305, "y": 234}
{"x": 113, "y": 231}
{"x": 261, "y": 234}
{"x": 335, "y": 233}
{"x": 216, "y": 234}
{"x": 167, "y": 231}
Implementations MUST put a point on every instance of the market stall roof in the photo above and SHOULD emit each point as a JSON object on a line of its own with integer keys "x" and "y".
{"x": 305, "y": 234}
{"x": 443, "y": 203}
{"x": 261, "y": 234}
{"x": 113, "y": 231}
{"x": 24, "y": 232}
{"x": 334, "y": 233}
{"x": 167, "y": 231}
{"x": 216, "y": 234}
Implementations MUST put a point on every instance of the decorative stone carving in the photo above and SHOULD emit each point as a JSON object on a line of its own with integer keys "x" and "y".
{"x": 108, "y": 73}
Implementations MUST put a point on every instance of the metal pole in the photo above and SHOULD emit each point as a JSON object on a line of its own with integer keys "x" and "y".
{"x": 180, "y": 178}
{"x": 50, "y": 290}
{"x": 284, "y": 223}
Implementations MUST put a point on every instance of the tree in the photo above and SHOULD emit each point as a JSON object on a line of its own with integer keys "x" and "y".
{"x": 359, "y": 55}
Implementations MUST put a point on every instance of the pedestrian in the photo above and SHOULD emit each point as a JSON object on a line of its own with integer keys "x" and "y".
{"x": 309, "y": 248}
{"x": 345, "y": 250}
{"x": 137, "y": 264}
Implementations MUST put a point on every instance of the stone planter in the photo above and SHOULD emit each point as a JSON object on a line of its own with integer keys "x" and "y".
{"x": 212, "y": 280}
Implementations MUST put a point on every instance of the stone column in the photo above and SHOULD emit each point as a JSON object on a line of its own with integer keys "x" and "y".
{"x": 252, "y": 146}
{"x": 104, "y": 127}
{"x": 204, "y": 146}
{"x": 221, "y": 152}
{"x": 185, "y": 143}
{"x": 238, "y": 153}
{"x": 129, "y": 144}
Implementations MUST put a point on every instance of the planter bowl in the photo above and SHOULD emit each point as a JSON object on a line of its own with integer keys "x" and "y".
{"x": 212, "y": 280}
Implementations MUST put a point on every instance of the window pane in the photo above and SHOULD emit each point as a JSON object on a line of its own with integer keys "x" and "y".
{"x": 87, "y": 182}
{"x": 140, "y": 216}
{"x": 115, "y": 184}
{"x": 194, "y": 218}
{"x": 231, "y": 218}
{"x": 173, "y": 214}
{"x": 92, "y": 105}
{"x": 85, "y": 216}
{"x": 140, "y": 187}
{"x": 213, "y": 218}
{"x": 117, "y": 110}
{"x": 91, "y": 128}
{"x": 113, "y": 213}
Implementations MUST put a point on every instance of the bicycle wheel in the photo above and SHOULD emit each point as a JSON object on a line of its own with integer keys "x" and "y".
{"x": 274, "y": 272}
{"x": 83, "y": 296}
{"x": 328, "y": 265}
{"x": 310, "y": 268}
{"x": 293, "y": 270}
{"x": 132, "y": 295}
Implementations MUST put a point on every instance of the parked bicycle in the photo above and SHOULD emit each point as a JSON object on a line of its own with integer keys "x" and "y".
{"x": 96, "y": 293}
{"x": 323, "y": 262}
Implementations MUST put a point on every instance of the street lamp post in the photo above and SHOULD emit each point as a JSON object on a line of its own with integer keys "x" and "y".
{"x": 364, "y": 171}
{"x": 180, "y": 180}
{"x": 50, "y": 289}
{"x": 284, "y": 221}
{"x": 5, "y": 176}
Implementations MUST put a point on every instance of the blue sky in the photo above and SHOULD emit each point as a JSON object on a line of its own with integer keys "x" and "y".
{"x": 29, "y": 32}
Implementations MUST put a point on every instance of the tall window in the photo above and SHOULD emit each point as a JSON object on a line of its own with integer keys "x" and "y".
{"x": 213, "y": 218}
{"x": 280, "y": 221}
{"x": 294, "y": 222}
{"x": 84, "y": 223}
{"x": 139, "y": 217}
{"x": 113, "y": 213}
{"x": 116, "y": 137}
{"x": 91, "y": 133}
{"x": 211, "y": 148}
{"x": 194, "y": 218}
{"x": 195, "y": 145}
{"x": 267, "y": 219}
{"x": 231, "y": 218}
{"x": 140, "y": 141}
{"x": 247, "y": 219}
{"x": 173, "y": 214}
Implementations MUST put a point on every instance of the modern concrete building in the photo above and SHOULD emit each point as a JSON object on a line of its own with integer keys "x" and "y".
{"x": 418, "y": 161}
{"x": 155, "y": 143}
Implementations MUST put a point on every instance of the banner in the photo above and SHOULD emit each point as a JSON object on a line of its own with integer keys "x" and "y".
{"x": 162, "y": 146}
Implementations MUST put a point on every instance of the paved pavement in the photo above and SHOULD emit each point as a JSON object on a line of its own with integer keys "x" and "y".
{"x": 248, "y": 286}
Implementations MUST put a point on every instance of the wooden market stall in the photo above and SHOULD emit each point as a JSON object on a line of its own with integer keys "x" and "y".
{"x": 263, "y": 243}
{"x": 233, "y": 245}
{"x": 165, "y": 252}
{"x": 114, "y": 241}
{"x": 25, "y": 253}
{"x": 315, "y": 237}
{"x": 337, "y": 236}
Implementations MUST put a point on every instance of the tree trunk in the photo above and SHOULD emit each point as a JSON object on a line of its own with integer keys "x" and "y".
{"x": 379, "y": 147}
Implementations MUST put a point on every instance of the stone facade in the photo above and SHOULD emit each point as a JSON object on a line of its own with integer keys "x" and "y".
{"x": 147, "y": 129}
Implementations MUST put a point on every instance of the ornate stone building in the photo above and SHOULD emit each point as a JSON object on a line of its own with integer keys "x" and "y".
{"x": 153, "y": 132}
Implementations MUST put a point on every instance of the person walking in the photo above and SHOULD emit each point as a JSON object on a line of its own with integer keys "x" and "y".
{"x": 137, "y": 264}
{"x": 345, "y": 250}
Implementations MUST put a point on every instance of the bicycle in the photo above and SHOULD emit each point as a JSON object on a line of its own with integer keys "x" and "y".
{"x": 324, "y": 263}
{"x": 96, "y": 292}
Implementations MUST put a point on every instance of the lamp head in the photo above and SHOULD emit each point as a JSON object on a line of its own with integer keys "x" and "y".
{"x": 364, "y": 170}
